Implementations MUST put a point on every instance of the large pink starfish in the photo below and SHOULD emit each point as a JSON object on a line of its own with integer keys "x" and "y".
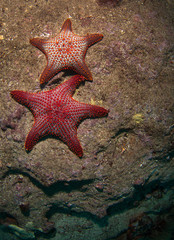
{"x": 57, "y": 114}
{"x": 66, "y": 51}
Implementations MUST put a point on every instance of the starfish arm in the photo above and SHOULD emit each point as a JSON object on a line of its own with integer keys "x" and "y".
{"x": 67, "y": 26}
{"x": 38, "y": 131}
{"x": 30, "y": 100}
{"x": 74, "y": 145}
{"x": 69, "y": 137}
{"x": 24, "y": 98}
{"x": 93, "y": 38}
{"x": 66, "y": 131}
{"x": 39, "y": 43}
{"x": 68, "y": 88}
{"x": 84, "y": 111}
{"x": 48, "y": 73}
{"x": 82, "y": 69}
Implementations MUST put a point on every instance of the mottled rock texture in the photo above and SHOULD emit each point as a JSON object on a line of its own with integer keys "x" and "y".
{"x": 126, "y": 173}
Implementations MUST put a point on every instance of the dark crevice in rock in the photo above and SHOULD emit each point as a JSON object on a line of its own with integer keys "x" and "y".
{"x": 163, "y": 157}
{"x": 161, "y": 211}
{"x": 49, "y": 235}
{"x": 138, "y": 195}
{"x": 6, "y": 219}
{"x": 121, "y": 131}
{"x": 82, "y": 214}
{"x": 149, "y": 226}
{"x": 59, "y": 186}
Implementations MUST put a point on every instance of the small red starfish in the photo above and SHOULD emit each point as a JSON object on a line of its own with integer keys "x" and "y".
{"x": 66, "y": 51}
{"x": 57, "y": 114}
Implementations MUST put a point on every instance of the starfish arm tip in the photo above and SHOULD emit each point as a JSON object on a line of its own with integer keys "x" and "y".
{"x": 46, "y": 75}
{"x": 73, "y": 83}
{"x": 20, "y": 96}
{"x": 82, "y": 69}
{"x": 31, "y": 141}
{"x": 97, "y": 111}
{"x": 39, "y": 43}
{"x": 74, "y": 145}
{"x": 34, "y": 41}
{"x": 67, "y": 26}
{"x": 107, "y": 111}
{"x": 94, "y": 38}
{"x": 12, "y": 93}
{"x": 79, "y": 153}
{"x": 28, "y": 147}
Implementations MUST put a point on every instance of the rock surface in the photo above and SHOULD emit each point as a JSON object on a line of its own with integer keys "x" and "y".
{"x": 126, "y": 173}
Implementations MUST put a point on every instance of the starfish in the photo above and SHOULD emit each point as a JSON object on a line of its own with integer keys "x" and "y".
{"x": 57, "y": 114}
{"x": 65, "y": 51}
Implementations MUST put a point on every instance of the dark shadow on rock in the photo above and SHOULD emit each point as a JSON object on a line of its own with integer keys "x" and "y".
{"x": 163, "y": 156}
{"x": 138, "y": 195}
{"x": 57, "y": 80}
{"x": 102, "y": 222}
{"x": 59, "y": 186}
{"x": 122, "y": 130}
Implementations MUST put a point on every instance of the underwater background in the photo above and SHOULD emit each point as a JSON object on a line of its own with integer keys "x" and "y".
{"x": 123, "y": 186}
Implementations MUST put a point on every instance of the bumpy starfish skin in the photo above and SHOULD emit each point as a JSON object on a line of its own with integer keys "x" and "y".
{"x": 66, "y": 51}
{"x": 57, "y": 114}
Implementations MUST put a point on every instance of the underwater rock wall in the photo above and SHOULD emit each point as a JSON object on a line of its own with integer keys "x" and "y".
{"x": 126, "y": 173}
